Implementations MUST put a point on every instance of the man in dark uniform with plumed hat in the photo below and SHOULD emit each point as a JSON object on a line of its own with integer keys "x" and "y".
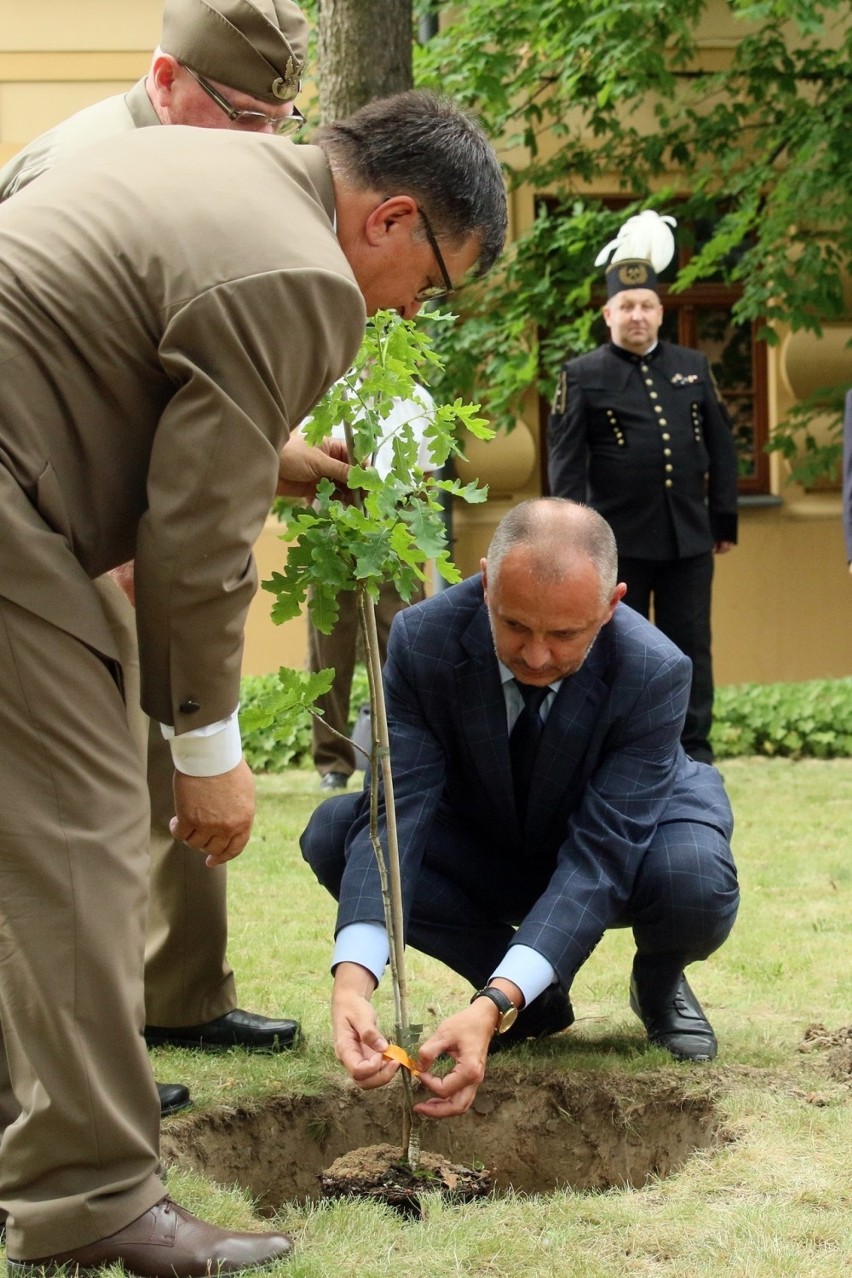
{"x": 638, "y": 431}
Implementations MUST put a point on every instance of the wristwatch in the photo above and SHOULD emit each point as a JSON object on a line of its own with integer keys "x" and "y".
{"x": 505, "y": 1006}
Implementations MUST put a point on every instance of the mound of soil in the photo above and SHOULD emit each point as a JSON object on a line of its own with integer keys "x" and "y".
{"x": 378, "y": 1172}
{"x": 837, "y": 1044}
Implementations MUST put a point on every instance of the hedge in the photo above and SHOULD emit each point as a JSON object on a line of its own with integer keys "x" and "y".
{"x": 810, "y": 720}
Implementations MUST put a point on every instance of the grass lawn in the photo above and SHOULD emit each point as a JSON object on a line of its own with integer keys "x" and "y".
{"x": 773, "y": 1201}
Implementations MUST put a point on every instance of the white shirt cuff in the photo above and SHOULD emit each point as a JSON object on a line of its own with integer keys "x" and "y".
{"x": 364, "y": 943}
{"x": 528, "y": 969}
{"x": 207, "y": 751}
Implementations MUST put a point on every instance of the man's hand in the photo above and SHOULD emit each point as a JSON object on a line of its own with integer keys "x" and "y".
{"x": 464, "y": 1037}
{"x": 124, "y": 579}
{"x": 723, "y": 547}
{"x": 214, "y": 814}
{"x": 358, "y": 1041}
{"x": 301, "y": 466}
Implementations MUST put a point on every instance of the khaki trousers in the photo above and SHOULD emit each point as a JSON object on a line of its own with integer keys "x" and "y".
{"x": 338, "y": 650}
{"x": 79, "y": 1111}
{"x": 187, "y": 977}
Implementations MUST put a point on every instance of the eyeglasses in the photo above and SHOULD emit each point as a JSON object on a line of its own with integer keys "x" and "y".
{"x": 281, "y": 124}
{"x": 433, "y": 292}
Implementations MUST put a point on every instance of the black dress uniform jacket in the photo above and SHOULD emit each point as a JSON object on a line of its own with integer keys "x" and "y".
{"x": 647, "y": 442}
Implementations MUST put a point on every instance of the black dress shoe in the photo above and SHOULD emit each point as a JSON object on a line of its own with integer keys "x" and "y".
{"x": 678, "y": 1024}
{"x": 234, "y": 1029}
{"x": 547, "y": 1014}
{"x": 173, "y": 1098}
{"x": 334, "y": 781}
{"x": 166, "y": 1242}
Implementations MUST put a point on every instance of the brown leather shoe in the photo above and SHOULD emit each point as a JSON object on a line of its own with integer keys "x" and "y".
{"x": 167, "y": 1242}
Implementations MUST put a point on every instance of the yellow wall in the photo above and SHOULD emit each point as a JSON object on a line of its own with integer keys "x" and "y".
{"x": 57, "y": 56}
{"x": 783, "y": 598}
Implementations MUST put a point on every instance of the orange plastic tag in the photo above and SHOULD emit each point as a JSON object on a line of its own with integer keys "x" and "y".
{"x": 393, "y": 1052}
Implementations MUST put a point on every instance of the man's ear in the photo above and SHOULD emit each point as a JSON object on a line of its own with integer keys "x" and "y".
{"x": 617, "y": 596}
{"x": 164, "y": 69}
{"x": 388, "y": 217}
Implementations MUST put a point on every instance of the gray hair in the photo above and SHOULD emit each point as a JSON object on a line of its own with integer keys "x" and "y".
{"x": 558, "y": 531}
{"x": 419, "y": 144}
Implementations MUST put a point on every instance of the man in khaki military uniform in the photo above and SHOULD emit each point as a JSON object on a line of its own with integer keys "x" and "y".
{"x": 223, "y": 64}
{"x": 171, "y": 302}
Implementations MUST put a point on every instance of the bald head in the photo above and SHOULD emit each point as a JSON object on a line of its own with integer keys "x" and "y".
{"x": 556, "y": 534}
{"x": 550, "y": 586}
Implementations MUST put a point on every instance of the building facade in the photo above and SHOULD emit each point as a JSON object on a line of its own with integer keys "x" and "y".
{"x": 783, "y": 599}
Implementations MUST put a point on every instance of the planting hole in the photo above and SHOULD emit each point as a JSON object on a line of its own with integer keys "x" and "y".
{"x": 536, "y": 1131}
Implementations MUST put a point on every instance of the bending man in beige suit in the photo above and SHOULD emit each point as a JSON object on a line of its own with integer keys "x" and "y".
{"x": 221, "y": 64}
{"x": 171, "y": 303}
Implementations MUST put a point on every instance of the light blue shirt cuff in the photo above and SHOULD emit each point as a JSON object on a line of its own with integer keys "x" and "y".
{"x": 528, "y": 969}
{"x": 364, "y": 943}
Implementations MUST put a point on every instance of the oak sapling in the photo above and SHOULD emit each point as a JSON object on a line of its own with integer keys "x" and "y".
{"x": 384, "y": 528}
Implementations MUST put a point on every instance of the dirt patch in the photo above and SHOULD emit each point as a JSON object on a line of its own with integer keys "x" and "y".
{"x": 378, "y": 1172}
{"x": 837, "y": 1044}
{"x": 536, "y": 1130}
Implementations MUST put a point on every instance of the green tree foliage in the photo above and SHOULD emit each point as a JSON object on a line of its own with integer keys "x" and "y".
{"x": 394, "y": 527}
{"x": 756, "y": 141}
{"x": 397, "y": 524}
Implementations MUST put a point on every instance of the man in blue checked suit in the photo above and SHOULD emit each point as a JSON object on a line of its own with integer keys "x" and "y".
{"x": 621, "y": 827}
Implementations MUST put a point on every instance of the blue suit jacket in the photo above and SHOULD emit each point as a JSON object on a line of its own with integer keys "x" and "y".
{"x": 609, "y": 770}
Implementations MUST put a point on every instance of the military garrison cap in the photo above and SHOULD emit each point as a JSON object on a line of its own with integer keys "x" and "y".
{"x": 256, "y": 46}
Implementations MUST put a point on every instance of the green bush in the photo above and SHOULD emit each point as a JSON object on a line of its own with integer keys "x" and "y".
{"x": 811, "y": 720}
{"x": 274, "y": 749}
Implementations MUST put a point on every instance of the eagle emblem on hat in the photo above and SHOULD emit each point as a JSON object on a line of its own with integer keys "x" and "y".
{"x": 288, "y": 85}
{"x": 634, "y": 273}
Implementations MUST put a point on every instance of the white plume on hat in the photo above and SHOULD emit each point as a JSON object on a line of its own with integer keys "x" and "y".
{"x": 644, "y": 237}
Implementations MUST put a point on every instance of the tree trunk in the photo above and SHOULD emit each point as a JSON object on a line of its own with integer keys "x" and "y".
{"x": 364, "y": 49}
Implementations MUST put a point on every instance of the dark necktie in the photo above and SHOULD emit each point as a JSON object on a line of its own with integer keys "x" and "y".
{"x": 523, "y": 743}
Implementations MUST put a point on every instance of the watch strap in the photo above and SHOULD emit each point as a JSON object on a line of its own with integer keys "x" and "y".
{"x": 505, "y": 1006}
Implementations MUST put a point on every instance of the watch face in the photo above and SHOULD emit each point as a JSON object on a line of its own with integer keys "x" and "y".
{"x": 507, "y": 1020}
{"x": 505, "y": 1006}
